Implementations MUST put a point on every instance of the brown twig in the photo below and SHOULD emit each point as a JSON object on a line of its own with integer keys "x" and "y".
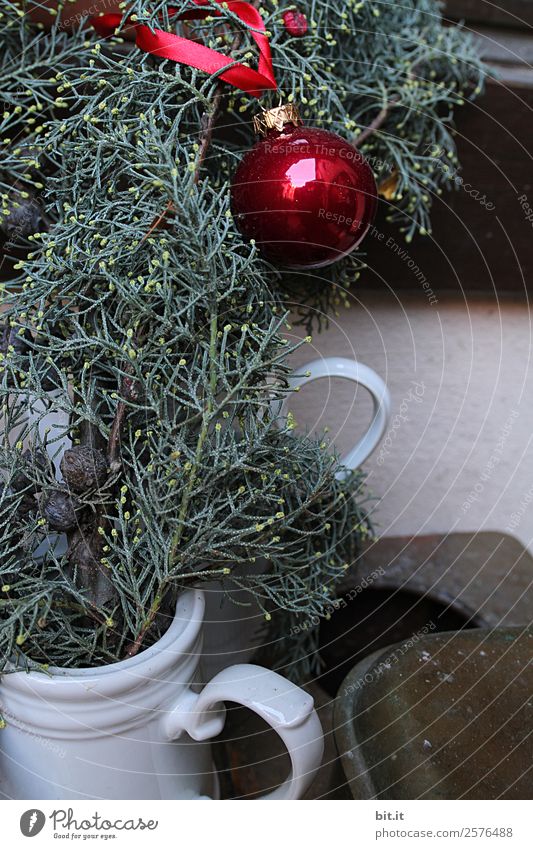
{"x": 83, "y": 542}
{"x": 208, "y": 125}
{"x": 129, "y": 389}
{"x": 209, "y": 121}
{"x": 374, "y": 126}
{"x": 207, "y": 135}
{"x": 113, "y": 445}
{"x": 157, "y": 221}
{"x": 134, "y": 647}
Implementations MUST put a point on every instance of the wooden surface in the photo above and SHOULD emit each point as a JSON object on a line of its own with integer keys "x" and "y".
{"x": 471, "y": 247}
{"x": 510, "y": 13}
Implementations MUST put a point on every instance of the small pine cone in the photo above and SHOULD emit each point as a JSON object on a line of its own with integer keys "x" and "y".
{"x": 83, "y": 468}
{"x": 60, "y": 511}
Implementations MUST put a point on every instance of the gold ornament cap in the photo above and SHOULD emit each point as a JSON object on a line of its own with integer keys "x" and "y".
{"x": 277, "y": 118}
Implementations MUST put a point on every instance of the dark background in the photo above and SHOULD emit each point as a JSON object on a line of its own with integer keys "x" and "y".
{"x": 472, "y": 248}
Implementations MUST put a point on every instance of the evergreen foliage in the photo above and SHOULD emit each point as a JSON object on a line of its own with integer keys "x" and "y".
{"x": 163, "y": 352}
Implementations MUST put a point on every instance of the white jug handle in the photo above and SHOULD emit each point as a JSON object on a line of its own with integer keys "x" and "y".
{"x": 284, "y": 706}
{"x": 363, "y": 375}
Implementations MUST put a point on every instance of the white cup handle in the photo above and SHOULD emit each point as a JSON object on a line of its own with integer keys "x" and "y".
{"x": 284, "y": 706}
{"x": 364, "y": 376}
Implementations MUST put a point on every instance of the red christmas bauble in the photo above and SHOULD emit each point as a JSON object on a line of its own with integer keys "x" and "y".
{"x": 305, "y": 195}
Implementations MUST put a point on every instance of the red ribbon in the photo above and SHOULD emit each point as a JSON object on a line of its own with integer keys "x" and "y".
{"x": 186, "y": 52}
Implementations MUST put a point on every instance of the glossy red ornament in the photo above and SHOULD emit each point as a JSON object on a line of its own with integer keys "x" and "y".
{"x": 295, "y": 22}
{"x": 305, "y": 195}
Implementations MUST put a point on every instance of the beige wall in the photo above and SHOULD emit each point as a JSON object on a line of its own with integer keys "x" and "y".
{"x": 458, "y": 454}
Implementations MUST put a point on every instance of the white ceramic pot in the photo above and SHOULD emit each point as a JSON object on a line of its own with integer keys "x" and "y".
{"x": 360, "y": 375}
{"x": 138, "y": 729}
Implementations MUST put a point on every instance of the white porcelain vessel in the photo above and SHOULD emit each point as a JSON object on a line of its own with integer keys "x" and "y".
{"x": 360, "y": 375}
{"x": 139, "y": 728}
